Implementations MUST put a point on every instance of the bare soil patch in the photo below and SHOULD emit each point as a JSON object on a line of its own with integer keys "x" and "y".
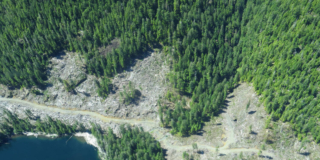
{"x": 247, "y": 116}
{"x": 114, "y": 44}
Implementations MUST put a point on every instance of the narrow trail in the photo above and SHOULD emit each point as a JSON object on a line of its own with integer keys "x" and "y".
{"x": 164, "y": 140}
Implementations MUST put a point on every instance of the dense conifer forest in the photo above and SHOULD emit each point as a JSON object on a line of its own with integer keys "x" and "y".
{"x": 214, "y": 44}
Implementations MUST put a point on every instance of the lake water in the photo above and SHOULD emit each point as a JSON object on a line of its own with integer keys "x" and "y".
{"x": 41, "y": 148}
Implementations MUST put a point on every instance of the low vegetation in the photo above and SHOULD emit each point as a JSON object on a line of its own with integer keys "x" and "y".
{"x": 71, "y": 85}
{"x": 35, "y": 91}
{"x": 129, "y": 94}
{"x": 103, "y": 87}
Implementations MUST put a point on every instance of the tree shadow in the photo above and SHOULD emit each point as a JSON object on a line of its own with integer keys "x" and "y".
{"x": 60, "y": 55}
{"x": 253, "y": 132}
{"x": 137, "y": 93}
{"x": 86, "y": 94}
{"x": 73, "y": 92}
{"x": 113, "y": 89}
{"x": 269, "y": 141}
{"x": 252, "y": 112}
{"x": 221, "y": 110}
{"x": 49, "y": 85}
{"x": 200, "y": 133}
{"x": 236, "y": 86}
{"x": 80, "y": 81}
{"x": 35, "y": 118}
{"x": 11, "y": 87}
{"x": 231, "y": 96}
{"x": 165, "y": 152}
{"x": 206, "y": 119}
{"x": 267, "y": 157}
{"x": 39, "y": 94}
{"x": 136, "y": 99}
{"x": 43, "y": 86}
{"x": 142, "y": 56}
{"x": 184, "y": 93}
{"x": 305, "y": 153}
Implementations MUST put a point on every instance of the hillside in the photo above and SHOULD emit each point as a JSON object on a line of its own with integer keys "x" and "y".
{"x": 147, "y": 75}
{"x": 174, "y": 61}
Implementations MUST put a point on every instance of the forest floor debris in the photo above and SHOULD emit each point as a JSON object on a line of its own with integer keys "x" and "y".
{"x": 147, "y": 74}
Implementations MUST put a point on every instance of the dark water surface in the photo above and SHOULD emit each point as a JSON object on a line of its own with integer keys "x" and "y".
{"x": 41, "y": 148}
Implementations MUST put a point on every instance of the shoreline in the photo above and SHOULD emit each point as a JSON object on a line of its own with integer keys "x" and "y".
{"x": 40, "y": 134}
{"x": 89, "y": 138}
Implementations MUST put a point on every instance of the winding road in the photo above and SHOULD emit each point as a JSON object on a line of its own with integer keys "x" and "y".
{"x": 165, "y": 141}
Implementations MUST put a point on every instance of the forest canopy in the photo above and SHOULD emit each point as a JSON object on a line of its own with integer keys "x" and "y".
{"x": 133, "y": 144}
{"x": 215, "y": 44}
